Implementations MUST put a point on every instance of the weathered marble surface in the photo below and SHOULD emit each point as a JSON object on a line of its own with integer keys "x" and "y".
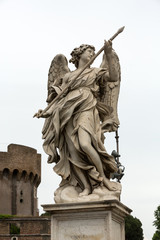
{"x": 100, "y": 220}
{"x": 71, "y": 194}
{"x": 75, "y": 123}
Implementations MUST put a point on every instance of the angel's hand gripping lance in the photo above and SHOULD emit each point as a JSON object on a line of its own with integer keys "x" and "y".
{"x": 41, "y": 112}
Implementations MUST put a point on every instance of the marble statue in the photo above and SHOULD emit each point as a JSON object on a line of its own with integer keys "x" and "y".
{"x": 75, "y": 124}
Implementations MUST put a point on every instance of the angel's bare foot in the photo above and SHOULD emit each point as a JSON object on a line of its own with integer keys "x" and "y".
{"x": 85, "y": 192}
{"x": 110, "y": 185}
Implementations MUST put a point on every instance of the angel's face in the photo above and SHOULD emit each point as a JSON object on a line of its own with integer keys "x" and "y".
{"x": 87, "y": 55}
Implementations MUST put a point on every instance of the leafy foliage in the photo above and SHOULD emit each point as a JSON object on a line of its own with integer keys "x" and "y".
{"x": 6, "y": 216}
{"x": 133, "y": 228}
{"x": 46, "y": 214}
{"x": 156, "y": 235}
{"x": 14, "y": 229}
{"x": 156, "y": 223}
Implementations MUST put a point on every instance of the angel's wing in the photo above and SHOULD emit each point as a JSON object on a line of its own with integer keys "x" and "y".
{"x": 111, "y": 94}
{"x": 57, "y": 70}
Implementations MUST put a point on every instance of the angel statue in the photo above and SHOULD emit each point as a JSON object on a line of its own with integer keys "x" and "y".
{"x": 75, "y": 124}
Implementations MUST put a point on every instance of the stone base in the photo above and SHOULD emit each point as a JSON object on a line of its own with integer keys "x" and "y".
{"x": 100, "y": 220}
{"x": 69, "y": 194}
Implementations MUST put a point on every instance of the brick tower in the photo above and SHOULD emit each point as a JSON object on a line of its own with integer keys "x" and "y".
{"x": 20, "y": 175}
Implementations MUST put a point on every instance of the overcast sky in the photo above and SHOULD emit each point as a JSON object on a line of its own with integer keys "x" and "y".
{"x": 34, "y": 31}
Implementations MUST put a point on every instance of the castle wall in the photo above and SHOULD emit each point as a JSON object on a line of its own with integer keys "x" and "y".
{"x": 31, "y": 228}
{"x": 24, "y": 198}
{"x": 5, "y": 194}
{"x": 20, "y": 175}
{"x": 22, "y": 158}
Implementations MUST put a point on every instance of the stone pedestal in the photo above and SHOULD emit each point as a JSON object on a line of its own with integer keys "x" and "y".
{"x": 100, "y": 220}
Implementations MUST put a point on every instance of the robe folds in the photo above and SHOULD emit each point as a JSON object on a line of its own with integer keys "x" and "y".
{"x": 78, "y": 108}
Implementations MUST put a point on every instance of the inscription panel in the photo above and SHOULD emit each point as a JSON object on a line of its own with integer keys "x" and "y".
{"x": 85, "y": 229}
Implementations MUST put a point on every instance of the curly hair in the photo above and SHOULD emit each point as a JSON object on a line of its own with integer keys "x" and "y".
{"x": 77, "y": 52}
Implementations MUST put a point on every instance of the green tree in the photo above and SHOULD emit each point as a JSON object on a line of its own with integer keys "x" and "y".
{"x": 156, "y": 223}
{"x": 45, "y": 214}
{"x": 156, "y": 235}
{"x": 133, "y": 228}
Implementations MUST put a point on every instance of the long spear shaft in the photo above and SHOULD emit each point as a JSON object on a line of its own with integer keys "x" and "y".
{"x": 117, "y": 143}
{"x": 82, "y": 70}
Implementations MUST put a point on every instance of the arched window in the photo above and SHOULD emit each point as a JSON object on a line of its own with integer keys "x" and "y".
{"x": 23, "y": 176}
{"x": 14, "y": 238}
{"x": 6, "y": 172}
{"x": 15, "y": 173}
{"x": 31, "y": 177}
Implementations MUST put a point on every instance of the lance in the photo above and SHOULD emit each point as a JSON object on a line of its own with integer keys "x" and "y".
{"x": 82, "y": 70}
{"x": 117, "y": 143}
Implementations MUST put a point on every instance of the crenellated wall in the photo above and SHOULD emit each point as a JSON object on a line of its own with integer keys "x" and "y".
{"x": 20, "y": 175}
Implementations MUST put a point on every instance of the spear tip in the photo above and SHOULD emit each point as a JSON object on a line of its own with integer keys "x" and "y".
{"x": 121, "y": 29}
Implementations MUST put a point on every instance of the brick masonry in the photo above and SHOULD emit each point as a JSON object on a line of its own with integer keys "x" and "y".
{"x": 31, "y": 228}
{"x": 20, "y": 175}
